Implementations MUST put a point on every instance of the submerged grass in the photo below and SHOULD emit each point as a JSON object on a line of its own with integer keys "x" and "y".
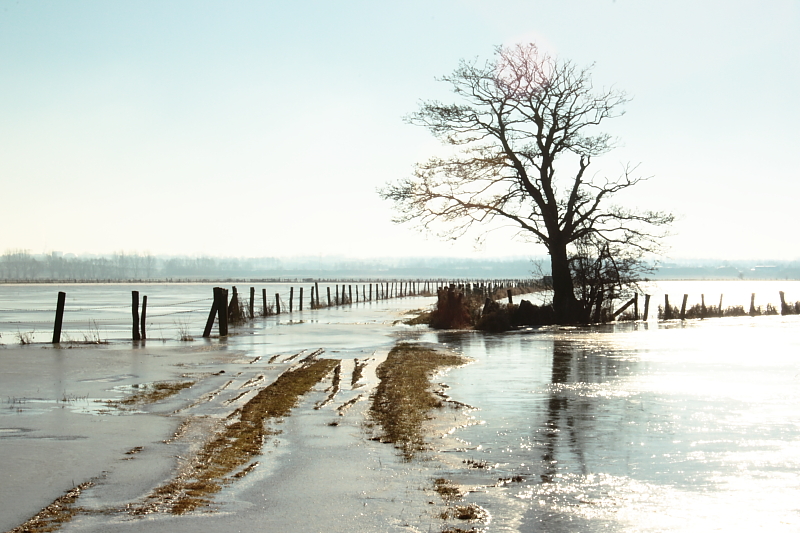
{"x": 236, "y": 445}
{"x": 403, "y": 399}
{"x": 160, "y": 390}
{"x": 52, "y": 517}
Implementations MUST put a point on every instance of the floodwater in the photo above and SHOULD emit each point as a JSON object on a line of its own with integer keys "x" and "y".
{"x": 656, "y": 426}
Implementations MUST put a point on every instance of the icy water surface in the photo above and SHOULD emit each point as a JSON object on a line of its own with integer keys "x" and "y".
{"x": 637, "y": 427}
{"x": 657, "y": 426}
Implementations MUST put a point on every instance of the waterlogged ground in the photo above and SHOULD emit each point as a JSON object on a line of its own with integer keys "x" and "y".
{"x": 640, "y": 427}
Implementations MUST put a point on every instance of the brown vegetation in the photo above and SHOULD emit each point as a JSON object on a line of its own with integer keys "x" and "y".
{"x": 402, "y": 400}
{"x": 235, "y": 446}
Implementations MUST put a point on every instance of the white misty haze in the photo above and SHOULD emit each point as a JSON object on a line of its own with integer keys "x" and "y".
{"x": 264, "y": 128}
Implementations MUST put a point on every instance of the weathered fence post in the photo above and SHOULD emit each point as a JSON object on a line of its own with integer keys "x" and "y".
{"x": 277, "y": 303}
{"x": 646, "y": 307}
{"x": 510, "y": 301}
{"x": 135, "y": 313}
{"x": 784, "y": 307}
{"x": 291, "y": 299}
{"x": 222, "y": 311}
{"x": 683, "y": 306}
{"x": 329, "y": 295}
{"x": 753, "y": 304}
{"x": 702, "y": 306}
{"x": 316, "y": 291}
{"x": 62, "y": 299}
{"x": 263, "y": 302}
{"x": 211, "y": 314}
{"x": 350, "y": 292}
{"x": 667, "y": 308}
{"x": 300, "y": 307}
{"x": 233, "y": 306}
{"x": 370, "y": 292}
{"x": 719, "y": 310}
{"x": 636, "y": 306}
{"x": 144, "y": 316}
{"x": 252, "y": 300}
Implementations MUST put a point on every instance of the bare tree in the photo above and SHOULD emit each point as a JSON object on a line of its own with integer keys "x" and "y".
{"x": 522, "y": 141}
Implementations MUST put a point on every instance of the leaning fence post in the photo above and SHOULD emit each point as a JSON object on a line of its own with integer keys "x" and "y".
{"x": 144, "y": 316}
{"x": 135, "y": 313}
{"x": 62, "y": 298}
{"x": 211, "y": 314}
{"x": 683, "y": 306}
{"x": 646, "y": 306}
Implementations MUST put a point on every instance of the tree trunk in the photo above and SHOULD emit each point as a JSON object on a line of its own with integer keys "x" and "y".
{"x": 565, "y": 305}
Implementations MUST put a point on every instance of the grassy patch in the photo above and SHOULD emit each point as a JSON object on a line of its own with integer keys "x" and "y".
{"x": 155, "y": 392}
{"x": 403, "y": 399}
{"x": 236, "y": 445}
{"x": 56, "y": 514}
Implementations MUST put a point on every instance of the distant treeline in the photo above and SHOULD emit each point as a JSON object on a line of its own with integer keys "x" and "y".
{"x": 21, "y": 265}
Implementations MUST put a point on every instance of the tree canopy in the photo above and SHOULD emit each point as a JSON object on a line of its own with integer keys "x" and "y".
{"x": 523, "y": 135}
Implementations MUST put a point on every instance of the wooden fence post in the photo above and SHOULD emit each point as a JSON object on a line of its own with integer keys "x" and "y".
{"x": 720, "y": 307}
{"x": 350, "y": 292}
{"x": 667, "y": 308}
{"x": 291, "y": 299}
{"x": 784, "y": 307}
{"x": 753, "y": 304}
{"x": 62, "y": 299}
{"x": 636, "y": 306}
{"x": 316, "y": 291}
{"x": 510, "y": 301}
{"x": 329, "y": 295}
{"x": 144, "y": 316}
{"x": 702, "y": 306}
{"x": 252, "y": 300}
{"x": 277, "y": 303}
{"x": 646, "y": 306}
{"x": 263, "y": 302}
{"x": 135, "y": 313}
{"x": 222, "y": 312}
{"x": 683, "y": 306}
{"x": 211, "y": 314}
{"x": 300, "y": 307}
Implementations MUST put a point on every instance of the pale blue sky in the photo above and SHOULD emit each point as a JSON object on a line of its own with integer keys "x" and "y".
{"x": 264, "y": 128}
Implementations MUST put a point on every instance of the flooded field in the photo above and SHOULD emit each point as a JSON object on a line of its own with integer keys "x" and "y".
{"x": 656, "y": 426}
